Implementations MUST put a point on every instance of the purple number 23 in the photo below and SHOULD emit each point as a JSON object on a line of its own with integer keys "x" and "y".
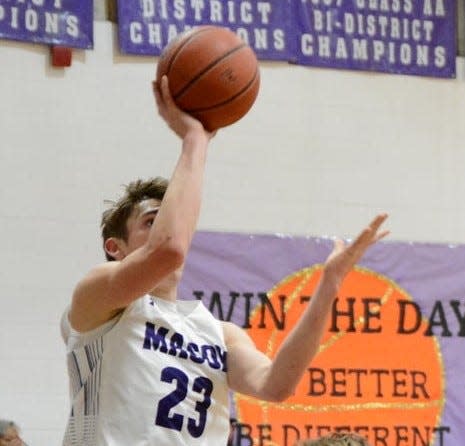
{"x": 175, "y": 421}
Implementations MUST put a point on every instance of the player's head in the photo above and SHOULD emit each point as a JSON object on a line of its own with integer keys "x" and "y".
{"x": 141, "y": 199}
{"x": 8, "y": 432}
{"x": 336, "y": 439}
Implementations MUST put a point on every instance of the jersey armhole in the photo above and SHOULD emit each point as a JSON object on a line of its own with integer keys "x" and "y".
{"x": 75, "y": 339}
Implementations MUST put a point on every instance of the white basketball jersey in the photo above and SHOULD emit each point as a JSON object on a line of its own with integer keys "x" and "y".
{"x": 154, "y": 377}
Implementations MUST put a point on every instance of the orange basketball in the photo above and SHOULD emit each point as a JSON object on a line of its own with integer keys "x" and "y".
{"x": 213, "y": 75}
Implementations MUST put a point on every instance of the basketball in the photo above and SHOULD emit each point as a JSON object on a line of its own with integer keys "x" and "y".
{"x": 213, "y": 75}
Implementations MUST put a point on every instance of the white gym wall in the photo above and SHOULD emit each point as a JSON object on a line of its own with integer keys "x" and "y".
{"x": 319, "y": 154}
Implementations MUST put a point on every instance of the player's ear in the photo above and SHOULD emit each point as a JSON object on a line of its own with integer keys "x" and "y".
{"x": 113, "y": 247}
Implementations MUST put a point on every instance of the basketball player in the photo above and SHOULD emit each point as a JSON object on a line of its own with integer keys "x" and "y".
{"x": 9, "y": 434}
{"x": 335, "y": 439}
{"x": 148, "y": 370}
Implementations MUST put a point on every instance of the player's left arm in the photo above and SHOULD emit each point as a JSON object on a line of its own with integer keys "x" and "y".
{"x": 253, "y": 373}
{"x": 247, "y": 366}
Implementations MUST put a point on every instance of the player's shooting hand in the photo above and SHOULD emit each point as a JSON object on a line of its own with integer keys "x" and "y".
{"x": 178, "y": 121}
{"x": 344, "y": 257}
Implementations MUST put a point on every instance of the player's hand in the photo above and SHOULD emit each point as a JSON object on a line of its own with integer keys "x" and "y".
{"x": 344, "y": 257}
{"x": 178, "y": 121}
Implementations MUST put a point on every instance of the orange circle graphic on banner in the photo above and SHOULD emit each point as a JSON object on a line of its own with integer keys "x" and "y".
{"x": 366, "y": 376}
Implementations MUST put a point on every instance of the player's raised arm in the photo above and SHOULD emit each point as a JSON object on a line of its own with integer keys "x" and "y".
{"x": 178, "y": 215}
{"x": 156, "y": 234}
{"x": 252, "y": 373}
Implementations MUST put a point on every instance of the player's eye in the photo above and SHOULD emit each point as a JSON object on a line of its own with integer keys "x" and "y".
{"x": 149, "y": 222}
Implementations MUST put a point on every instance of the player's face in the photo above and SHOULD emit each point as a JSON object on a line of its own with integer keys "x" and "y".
{"x": 140, "y": 222}
{"x": 11, "y": 437}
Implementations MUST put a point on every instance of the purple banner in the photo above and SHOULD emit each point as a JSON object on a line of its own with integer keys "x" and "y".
{"x": 391, "y": 363}
{"x": 145, "y": 27}
{"x": 55, "y": 22}
{"x": 414, "y": 37}
{"x": 395, "y": 36}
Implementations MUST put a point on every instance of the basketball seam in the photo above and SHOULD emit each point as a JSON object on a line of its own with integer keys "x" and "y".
{"x": 211, "y": 107}
{"x": 207, "y": 68}
{"x": 175, "y": 54}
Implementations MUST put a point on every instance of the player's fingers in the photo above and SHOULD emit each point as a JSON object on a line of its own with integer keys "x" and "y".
{"x": 338, "y": 244}
{"x": 372, "y": 229}
{"x": 155, "y": 87}
{"x": 368, "y": 236}
{"x": 165, "y": 90}
{"x": 156, "y": 93}
{"x": 362, "y": 239}
{"x": 378, "y": 221}
{"x": 382, "y": 235}
{"x": 338, "y": 247}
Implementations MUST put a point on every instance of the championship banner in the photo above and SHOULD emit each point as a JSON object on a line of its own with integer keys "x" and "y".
{"x": 146, "y": 26}
{"x": 414, "y": 37}
{"x": 55, "y": 22}
{"x": 390, "y": 366}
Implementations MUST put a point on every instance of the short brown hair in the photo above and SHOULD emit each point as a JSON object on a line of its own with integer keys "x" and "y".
{"x": 115, "y": 218}
{"x": 336, "y": 439}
